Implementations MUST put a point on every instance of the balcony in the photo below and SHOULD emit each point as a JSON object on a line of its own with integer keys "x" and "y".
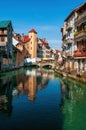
{"x": 69, "y": 27}
{"x": 80, "y": 19}
{"x": 3, "y": 33}
{"x": 68, "y": 41}
{"x": 2, "y": 43}
{"x": 80, "y": 35}
{"x": 79, "y": 54}
{"x": 68, "y": 54}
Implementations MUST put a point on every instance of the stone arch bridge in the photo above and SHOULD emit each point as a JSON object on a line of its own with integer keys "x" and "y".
{"x": 42, "y": 64}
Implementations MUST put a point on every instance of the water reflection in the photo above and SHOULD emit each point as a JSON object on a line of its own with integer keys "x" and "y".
{"x": 30, "y": 99}
{"x": 73, "y": 104}
{"x": 30, "y": 81}
{"x": 6, "y": 89}
{"x": 26, "y": 83}
{"x": 72, "y": 90}
{"x": 35, "y": 99}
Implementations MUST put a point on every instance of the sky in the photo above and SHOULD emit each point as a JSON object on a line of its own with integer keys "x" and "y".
{"x": 45, "y": 16}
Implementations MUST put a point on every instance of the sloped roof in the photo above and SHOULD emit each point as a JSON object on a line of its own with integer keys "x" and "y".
{"x": 17, "y": 37}
{"x": 70, "y": 15}
{"x": 43, "y": 42}
{"x": 58, "y": 51}
{"x": 75, "y": 10}
{"x": 26, "y": 39}
{"x": 32, "y": 31}
{"x": 4, "y": 24}
{"x": 81, "y": 6}
{"x": 23, "y": 39}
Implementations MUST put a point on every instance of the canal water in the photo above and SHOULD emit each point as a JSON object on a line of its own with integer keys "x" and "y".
{"x": 34, "y": 99}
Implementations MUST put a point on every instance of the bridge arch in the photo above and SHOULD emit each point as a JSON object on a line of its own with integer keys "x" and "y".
{"x": 42, "y": 64}
{"x": 51, "y": 65}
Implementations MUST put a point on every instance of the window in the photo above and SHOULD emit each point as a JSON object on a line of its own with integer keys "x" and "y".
{"x": 2, "y": 31}
{"x": 2, "y": 39}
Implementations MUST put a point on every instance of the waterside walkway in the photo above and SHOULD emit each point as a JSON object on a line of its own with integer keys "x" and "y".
{"x": 72, "y": 76}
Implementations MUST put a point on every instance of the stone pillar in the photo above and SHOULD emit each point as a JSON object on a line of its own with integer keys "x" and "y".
{"x": 81, "y": 64}
{"x": 76, "y": 65}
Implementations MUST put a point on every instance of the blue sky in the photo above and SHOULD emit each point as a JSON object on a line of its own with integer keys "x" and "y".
{"x": 45, "y": 16}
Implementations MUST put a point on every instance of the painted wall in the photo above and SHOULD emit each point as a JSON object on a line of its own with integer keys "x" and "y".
{"x": 33, "y": 44}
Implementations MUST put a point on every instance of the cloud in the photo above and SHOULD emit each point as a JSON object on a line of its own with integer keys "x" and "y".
{"x": 55, "y": 44}
{"x": 39, "y": 28}
{"x": 47, "y": 27}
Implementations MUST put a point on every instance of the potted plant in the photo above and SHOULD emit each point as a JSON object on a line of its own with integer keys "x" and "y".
{"x": 80, "y": 73}
{"x": 75, "y": 32}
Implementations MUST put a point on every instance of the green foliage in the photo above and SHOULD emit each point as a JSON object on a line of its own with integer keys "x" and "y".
{"x": 85, "y": 28}
{"x": 76, "y": 32}
{"x": 80, "y": 73}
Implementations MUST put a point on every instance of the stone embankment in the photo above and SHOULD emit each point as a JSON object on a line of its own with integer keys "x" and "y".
{"x": 75, "y": 77}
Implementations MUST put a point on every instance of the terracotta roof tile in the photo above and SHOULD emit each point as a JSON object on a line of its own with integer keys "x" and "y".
{"x": 22, "y": 39}
{"x": 32, "y": 30}
{"x": 25, "y": 39}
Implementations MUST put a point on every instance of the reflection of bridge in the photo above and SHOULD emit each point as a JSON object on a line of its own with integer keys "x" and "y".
{"x": 44, "y": 73}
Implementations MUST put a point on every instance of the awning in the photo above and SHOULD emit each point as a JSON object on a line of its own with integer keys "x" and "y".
{"x": 80, "y": 57}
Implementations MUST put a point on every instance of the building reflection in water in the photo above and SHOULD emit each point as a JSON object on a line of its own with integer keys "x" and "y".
{"x": 72, "y": 90}
{"x": 22, "y": 87}
{"x": 6, "y": 89}
{"x": 31, "y": 86}
{"x": 32, "y": 80}
{"x": 26, "y": 83}
{"x": 73, "y": 104}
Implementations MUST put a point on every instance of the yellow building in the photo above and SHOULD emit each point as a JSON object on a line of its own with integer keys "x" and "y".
{"x": 33, "y": 43}
{"x": 30, "y": 43}
{"x": 26, "y": 44}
